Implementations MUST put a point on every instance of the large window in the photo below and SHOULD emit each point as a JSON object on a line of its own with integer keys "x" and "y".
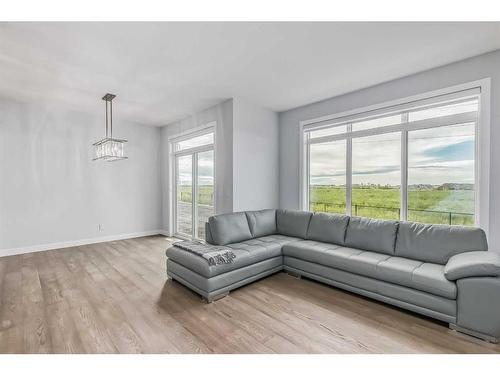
{"x": 327, "y": 178}
{"x": 415, "y": 161}
{"x": 441, "y": 174}
{"x": 376, "y": 176}
{"x": 193, "y": 201}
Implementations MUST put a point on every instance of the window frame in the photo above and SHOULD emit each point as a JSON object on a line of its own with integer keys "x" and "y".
{"x": 193, "y": 151}
{"x": 480, "y": 88}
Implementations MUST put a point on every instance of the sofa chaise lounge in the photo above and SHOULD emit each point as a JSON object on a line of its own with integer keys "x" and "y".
{"x": 441, "y": 271}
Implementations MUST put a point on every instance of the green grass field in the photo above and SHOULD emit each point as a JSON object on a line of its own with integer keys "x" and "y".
{"x": 205, "y": 194}
{"x": 429, "y": 206}
{"x": 384, "y": 203}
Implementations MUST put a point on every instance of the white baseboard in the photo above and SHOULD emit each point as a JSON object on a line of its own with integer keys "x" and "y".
{"x": 87, "y": 241}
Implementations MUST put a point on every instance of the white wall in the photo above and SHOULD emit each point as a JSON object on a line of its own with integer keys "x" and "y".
{"x": 52, "y": 192}
{"x": 255, "y": 157}
{"x": 246, "y": 156}
{"x": 222, "y": 114}
{"x": 484, "y": 66}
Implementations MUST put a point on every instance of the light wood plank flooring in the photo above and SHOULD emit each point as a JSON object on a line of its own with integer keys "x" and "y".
{"x": 114, "y": 298}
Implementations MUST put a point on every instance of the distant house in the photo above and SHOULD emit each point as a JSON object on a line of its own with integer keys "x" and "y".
{"x": 452, "y": 186}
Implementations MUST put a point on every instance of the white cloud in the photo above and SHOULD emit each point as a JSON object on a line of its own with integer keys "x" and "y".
{"x": 377, "y": 159}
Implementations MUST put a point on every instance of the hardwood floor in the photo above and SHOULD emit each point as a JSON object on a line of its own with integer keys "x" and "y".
{"x": 114, "y": 298}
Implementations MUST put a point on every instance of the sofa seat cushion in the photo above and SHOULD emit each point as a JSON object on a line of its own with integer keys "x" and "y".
{"x": 273, "y": 238}
{"x": 426, "y": 277}
{"x": 247, "y": 252}
{"x": 430, "y": 277}
{"x": 397, "y": 270}
{"x": 408, "y": 298}
{"x": 326, "y": 254}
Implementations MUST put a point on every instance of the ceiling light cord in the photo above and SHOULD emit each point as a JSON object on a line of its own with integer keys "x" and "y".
{"x": 111, "y": 118}
{"x": 106, "y": 119}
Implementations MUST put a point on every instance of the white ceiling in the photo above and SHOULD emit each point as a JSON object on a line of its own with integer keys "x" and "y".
{"x": 162, "y": 72}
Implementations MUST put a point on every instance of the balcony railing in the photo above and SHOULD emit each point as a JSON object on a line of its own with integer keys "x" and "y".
{"x": 203, "y": 198}
{"x": 380, "y": 212}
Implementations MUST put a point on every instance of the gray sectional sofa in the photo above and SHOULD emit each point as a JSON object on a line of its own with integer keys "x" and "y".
{"x": 441, "y": 271}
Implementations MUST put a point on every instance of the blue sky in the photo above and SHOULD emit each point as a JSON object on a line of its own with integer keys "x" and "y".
{"x": 451, "y": 152}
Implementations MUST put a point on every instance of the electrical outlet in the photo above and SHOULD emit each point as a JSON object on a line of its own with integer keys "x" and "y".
{"x": 99, "y": 226}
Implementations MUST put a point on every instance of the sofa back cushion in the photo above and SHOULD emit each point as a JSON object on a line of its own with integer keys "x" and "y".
{"x": 262, "y": 223}
{"x": 437, "y": 243}
{"x": 293, "y": 223}
{"x": 229, "y": 228}
{"x": 371, "y": 234}
{"x": 328, "y": 228}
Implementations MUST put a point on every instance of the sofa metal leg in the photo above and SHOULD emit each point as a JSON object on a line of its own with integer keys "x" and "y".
{"x": 471, "y": 332}
{"x": 215, "y": 298}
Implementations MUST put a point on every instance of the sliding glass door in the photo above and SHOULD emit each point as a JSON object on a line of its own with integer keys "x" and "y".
{"x": 184, "y": 199}
{"x": 204, "y": 190}
{"x": 194, "y": 184}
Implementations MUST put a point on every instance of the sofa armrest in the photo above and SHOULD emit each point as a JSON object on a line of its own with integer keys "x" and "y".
{"x": 478, "y": 307}
{"x": 473, "y": 264}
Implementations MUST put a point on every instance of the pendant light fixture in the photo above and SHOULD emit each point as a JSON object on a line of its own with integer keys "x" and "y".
{"x": 109, "y": 148}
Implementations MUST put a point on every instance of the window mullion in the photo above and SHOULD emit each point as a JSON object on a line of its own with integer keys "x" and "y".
{"x": 176, "y": 178}
{"x": 404, "y": 170}
{"x": 194, "y": 199}
{"x": 348, "y": 180}
{"x": 308, "y": 174}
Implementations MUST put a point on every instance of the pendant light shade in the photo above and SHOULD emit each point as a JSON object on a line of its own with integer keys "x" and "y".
{"x": 109, "y": 148}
